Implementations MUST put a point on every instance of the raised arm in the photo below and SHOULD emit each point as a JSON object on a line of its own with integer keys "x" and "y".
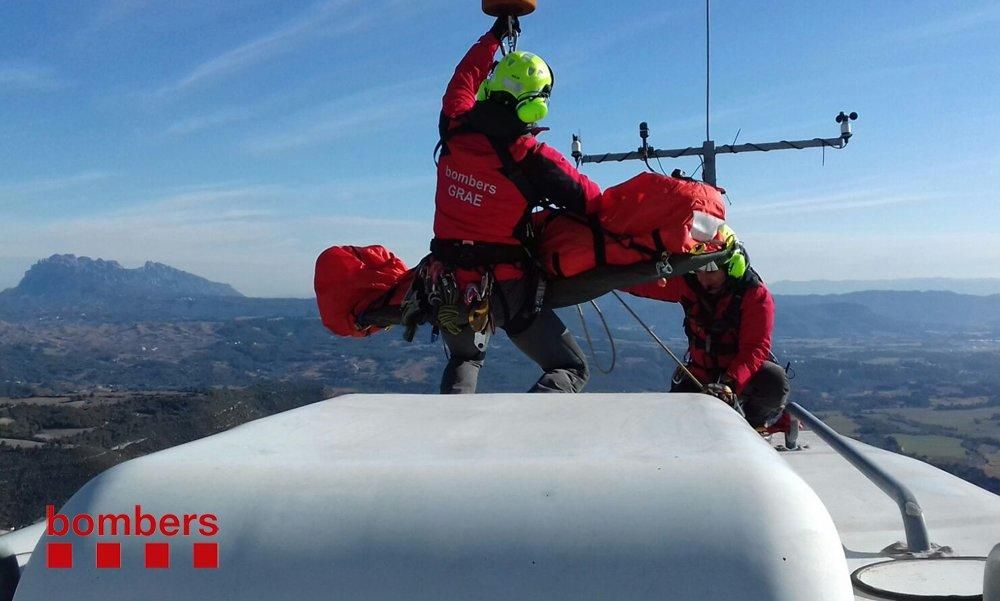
{"x": 460, "y": 96}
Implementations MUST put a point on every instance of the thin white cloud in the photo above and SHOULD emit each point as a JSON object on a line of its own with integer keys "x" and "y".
{"x": 45, "y": 185}
{"x": 843, "y": 201}
{"x": 28, "y": 78}
{"x": 310, "y": 197}
{"x": 370, "y": 111}
{"x": 178, "y": 189}
{"x": 219, "y": 118}
{"x": 569, "y": 57}
{"x": 204, "y": 201}
{"x": 111, "y": 12}
{"x": 323, "y": 19}
{"x": 933, "y": 27}
{"x": 843, "y": 256}
{"x": 331, "y": 127}
{"x": 376, "y": 188}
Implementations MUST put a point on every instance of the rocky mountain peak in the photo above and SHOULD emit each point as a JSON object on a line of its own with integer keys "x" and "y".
{"x": 69, "y": 276}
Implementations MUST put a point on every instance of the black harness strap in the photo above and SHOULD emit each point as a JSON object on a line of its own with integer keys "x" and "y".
{"x": 513, "y": 172}
{"x": 441, "y": 148}
{"x": 714, "y": 329}
{"x": 600, "y": 250}
{"x": 556, "y": 267}
{"x": 458, "y": 253}
{"x": 658, "y": 241}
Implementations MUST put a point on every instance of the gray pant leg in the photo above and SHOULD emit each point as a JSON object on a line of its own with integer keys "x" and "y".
{"x": 765, "y": 395}
{"x": 466, "y": 358}
{"x": 548, "y": 343}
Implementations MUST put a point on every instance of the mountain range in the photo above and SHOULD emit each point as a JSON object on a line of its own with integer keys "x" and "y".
{"x": 79, "y": 278}
{"x": 71, "y": 287}
{"x": 79, "y": 288}
{"x": 979, "y": 286}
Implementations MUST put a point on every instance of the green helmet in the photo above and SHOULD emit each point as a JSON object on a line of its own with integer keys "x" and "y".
{"x": 523, "y": 80}
{"x": 736, "y": 265}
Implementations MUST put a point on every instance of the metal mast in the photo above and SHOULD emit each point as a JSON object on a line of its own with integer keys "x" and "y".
{"x": 708, "y": 150}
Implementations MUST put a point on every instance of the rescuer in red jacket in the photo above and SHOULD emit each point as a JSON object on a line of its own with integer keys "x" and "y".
{"x": 728, "y": 319}
{"x": 492, "y": 171}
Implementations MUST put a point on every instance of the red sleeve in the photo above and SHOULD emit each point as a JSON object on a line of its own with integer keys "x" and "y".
{"x": 675, "y": 289}
{"x": 557, "y": 179}
{"x": 756, "y": 325}
{"x": 460, "y": 96}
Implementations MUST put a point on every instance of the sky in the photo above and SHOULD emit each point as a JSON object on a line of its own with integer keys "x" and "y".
{"x": 237, "y": 140}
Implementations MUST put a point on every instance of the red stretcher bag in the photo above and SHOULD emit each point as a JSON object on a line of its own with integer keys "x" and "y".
{"x": 570, "y": 245}
{"x": 663, "y": 213}
{"x": 349, "y": 279}
{"x": 632, "y": 222}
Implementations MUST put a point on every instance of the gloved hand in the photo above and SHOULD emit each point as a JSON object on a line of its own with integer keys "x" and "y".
{"x": 500, "y": 29}
{"x": 723, "y": 392}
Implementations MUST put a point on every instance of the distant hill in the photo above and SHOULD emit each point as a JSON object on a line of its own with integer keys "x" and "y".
{"x": 72, "y": 277}
{"x": 902, "y": 311}
{"x": 71, "y": 287}
{"x": 982, "y": 287}
{"x": 873, "y": 314}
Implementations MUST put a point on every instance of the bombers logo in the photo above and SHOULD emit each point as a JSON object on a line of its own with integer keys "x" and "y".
{"x": 135, "y": 524}
{"x": 462, "y": 192}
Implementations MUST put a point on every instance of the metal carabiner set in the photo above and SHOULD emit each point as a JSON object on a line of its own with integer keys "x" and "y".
{"x": 437, "y": 297}
{"x": 509, "y": 9}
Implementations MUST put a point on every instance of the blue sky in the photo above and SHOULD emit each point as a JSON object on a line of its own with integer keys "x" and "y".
{"x": 237, "y": 140}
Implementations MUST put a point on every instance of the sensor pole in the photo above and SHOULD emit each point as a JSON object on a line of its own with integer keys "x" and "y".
{"x": 708, "y": 150}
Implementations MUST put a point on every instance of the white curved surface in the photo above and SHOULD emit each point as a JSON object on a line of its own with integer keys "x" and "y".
{"x": 959, "y": 515}
{"x": 488, "y": 497}
{"x": 991, "y": 576}
{"x": 20, "y": 543}
{"x": 926, "y": 577}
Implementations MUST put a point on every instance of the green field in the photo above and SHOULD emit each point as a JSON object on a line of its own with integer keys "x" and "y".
{"x": 893, "y": 421}
{"x": 992, "y": 467}
{"x": 932, "y": 446}
{"x": 959, "y": 401}
{"x": 839, "y": 422}
{"x": 969, "y": 422}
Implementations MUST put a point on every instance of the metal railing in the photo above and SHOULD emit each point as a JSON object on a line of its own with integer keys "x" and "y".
{"x": 917, "y": 539}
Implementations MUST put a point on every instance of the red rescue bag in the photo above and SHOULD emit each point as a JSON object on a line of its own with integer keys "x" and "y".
{"x": 662, "y": 212}
{"x": 570, "y": 245}
{"x": 631, "y": 222}
{"x": 349, "y": 279}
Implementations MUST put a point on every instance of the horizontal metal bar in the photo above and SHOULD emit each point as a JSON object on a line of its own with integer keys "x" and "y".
{"x": 917, "y": 539}
{"x": 837, "y": 143}
{"x": 638, "y": 155}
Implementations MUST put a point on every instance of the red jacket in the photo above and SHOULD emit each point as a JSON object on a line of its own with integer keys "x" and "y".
{"x": 722, "y": 341}
{"x": 475, "y": 200}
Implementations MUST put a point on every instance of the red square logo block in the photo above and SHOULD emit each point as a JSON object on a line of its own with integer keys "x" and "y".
{"x": 109, "y": 555}
{"x": 206, "y": 555}
{"x": 59, "y": 555}
{"x": 157, "y": 555}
